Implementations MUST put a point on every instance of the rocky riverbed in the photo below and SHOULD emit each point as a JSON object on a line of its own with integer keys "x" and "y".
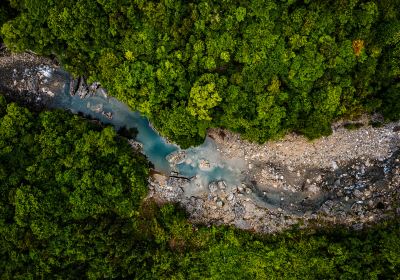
{"x": 24, "y": 78}
{"x": 351, "y": 177}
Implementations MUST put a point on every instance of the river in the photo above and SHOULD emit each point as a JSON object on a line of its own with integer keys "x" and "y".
{"x": 278, "y": 189}
{"x": 203, "y": 163}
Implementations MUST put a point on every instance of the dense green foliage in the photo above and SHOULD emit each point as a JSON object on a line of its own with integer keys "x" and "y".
{"x": 6, "y": 13}
{"x": 257, "y": 67}
{"x": 69, "y": 190}
{"x": 71, "y": 203}
{"x": 70, "y": 208}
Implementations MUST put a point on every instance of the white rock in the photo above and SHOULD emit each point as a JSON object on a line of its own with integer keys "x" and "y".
{"x": 204, "y": 165}
{"x": 176, "y": 157}
{"x": 213, "y": 187}
{"x": 222, "y": 184}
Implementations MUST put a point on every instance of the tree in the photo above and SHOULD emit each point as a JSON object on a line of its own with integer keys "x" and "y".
{"x": 154, "y": 55}
{"x": 204, "y": 95}
{"x": 70, "y": 194}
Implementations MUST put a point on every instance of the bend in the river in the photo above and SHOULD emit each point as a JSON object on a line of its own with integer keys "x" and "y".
{"x": 203, "y": 164}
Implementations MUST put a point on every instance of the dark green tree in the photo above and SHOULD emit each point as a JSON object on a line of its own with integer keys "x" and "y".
{"x": 261, "y": 69}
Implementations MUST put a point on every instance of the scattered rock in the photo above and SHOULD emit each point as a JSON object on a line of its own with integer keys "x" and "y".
{"x": 297, "y": 180}
{"x": 222, "y": 184}
{"x": 176, "y": 157}
{"x": 313, "y": 189}
{"x": 204, "y": 165}
{"x": 213, "y": 187}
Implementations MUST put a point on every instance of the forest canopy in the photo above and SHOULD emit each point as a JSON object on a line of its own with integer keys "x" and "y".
{"x": 72, "y": 203}
{"x": 6, "y": 13}
{"x": 261, "y": 68}
{"x": 64, "y": 183}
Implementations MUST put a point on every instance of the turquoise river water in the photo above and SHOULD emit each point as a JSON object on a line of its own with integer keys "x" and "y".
{"x": 155, "y": 147}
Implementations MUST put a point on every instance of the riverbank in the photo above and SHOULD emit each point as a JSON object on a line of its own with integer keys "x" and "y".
{"x": 351, "y": 178}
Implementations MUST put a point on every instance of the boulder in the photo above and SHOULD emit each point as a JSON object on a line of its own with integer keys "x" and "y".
{"x": 222, "y": 184}
{"x": 204, "y": 165}
{"x": 176, "y": 157}
{"x": 213, "y": 187}
{"x": 136, "y": 145}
